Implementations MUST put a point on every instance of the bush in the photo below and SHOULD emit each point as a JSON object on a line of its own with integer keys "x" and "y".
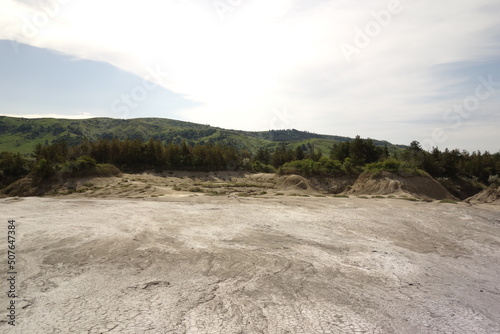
{"x": 447, "y": 200}
{"x": 43, "y": 169}
{"x": 12, "y": 167}
{"x": 106, "y": 170}
{"x": 330, "y": 167}
{"x": 348, "y": 166}
{"x": 391, "y": 165}
{"x": 308, "y": 167}
{"x": 85, "y": 163}
{"x": 259, "y": 167}
{"x": 302, "y": 167}
{"x": 87, "y": 166}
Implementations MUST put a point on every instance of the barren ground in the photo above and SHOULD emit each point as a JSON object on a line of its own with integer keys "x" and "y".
{"x": 190, "y": 263}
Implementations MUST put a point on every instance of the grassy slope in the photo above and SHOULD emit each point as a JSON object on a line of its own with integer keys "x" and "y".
{"x": 21, "y": 135}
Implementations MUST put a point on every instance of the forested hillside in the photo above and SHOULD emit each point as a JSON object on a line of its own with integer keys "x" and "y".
{"x": 47, "y": 148}
{"x": 463, "y": 174}
{"x": 22, "y": 135}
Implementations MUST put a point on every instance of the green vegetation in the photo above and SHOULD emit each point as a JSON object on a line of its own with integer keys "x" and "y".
{"x": 461, "y": 172}
{"x": 22, "y": 135}
{"x": 447, "y": 200}
{"x": 359, "y": 151}
{"x": 46, "y": 148}
{"x": 260, "y": 167}
{"x": 411, "y": 199}
{"x": 309, "y": 167}
{"x": 392, "y": 165}
{"x": 13, "y": 167}
{"x": 345, "y": 158}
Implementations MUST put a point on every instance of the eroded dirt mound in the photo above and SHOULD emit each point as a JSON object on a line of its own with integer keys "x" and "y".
{"x": 393, "y": 184}
{"x": 490, "y": 195}
{"x": 296, "y": 184}
{"x": 27, "y": 186}
{"x": 333, "y": 185}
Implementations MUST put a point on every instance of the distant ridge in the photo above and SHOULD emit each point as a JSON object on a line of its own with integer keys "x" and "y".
{"x": 22, "y": 134}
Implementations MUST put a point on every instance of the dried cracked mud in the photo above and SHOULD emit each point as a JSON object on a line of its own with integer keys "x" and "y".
{"x": 253, "y": 265}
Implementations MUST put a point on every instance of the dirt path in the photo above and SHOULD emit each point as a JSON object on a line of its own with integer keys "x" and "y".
{"x": 254, "y": 265}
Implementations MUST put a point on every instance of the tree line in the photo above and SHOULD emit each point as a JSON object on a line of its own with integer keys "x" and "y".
{"x": 108, "y": 156}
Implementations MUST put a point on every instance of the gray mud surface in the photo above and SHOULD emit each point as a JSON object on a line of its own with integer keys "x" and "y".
{"x": 253, "y": 265}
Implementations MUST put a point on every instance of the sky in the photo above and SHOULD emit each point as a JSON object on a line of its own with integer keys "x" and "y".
{"x": 397, "y": 70}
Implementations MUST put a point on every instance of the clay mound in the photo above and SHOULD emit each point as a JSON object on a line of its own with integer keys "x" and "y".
{"x": 296, "y": 184}
{"x": 22, "y": 188}
{"x": 262, "y": 177}
{"x": 27, "y": 187}
{"x": 332, "y": 185}
{"x": 393, "y": 184}
{"x": 489, "y": 195}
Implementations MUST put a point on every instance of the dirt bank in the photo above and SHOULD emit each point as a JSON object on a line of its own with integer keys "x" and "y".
{"x": 387, "y": 183}
{"x": 490, "y": 195}
{"x": 296, "y": 184}
{"x": 179, "y": 183}
{"x": 212, "y": 264}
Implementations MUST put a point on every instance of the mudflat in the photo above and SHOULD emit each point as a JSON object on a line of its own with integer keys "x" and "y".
{"x": 279, "y": 264}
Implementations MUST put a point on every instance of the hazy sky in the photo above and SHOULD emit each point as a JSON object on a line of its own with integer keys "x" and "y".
{"x": 396, "y": 70}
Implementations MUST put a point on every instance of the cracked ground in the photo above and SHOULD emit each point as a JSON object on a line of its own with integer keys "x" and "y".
{"x": 253, "y": 265}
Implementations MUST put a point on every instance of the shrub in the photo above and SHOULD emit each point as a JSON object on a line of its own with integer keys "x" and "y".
{"x": 447, "y": 200}
{"x": 84, "y": 163}
{"x": 43, "y": 169}
{"x": 330, "y": 166}
{"x": 348, "y": 166}
{"x": 303, "y": 167}
{"x": 411, "y": 199}
{"x": 106, "y": 170}
{"x": 86, "y": 166}
{"x": 259, "y": 167}
{"x": 391, "y": 165}
{"x": 308, "y": 167}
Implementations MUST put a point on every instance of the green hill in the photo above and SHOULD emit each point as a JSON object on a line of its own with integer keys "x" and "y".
{"x": 21, "y": 134}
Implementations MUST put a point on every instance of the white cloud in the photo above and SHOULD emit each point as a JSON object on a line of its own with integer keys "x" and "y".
{"x": 258, "y": 56}
{"x": 78, "y": 116}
